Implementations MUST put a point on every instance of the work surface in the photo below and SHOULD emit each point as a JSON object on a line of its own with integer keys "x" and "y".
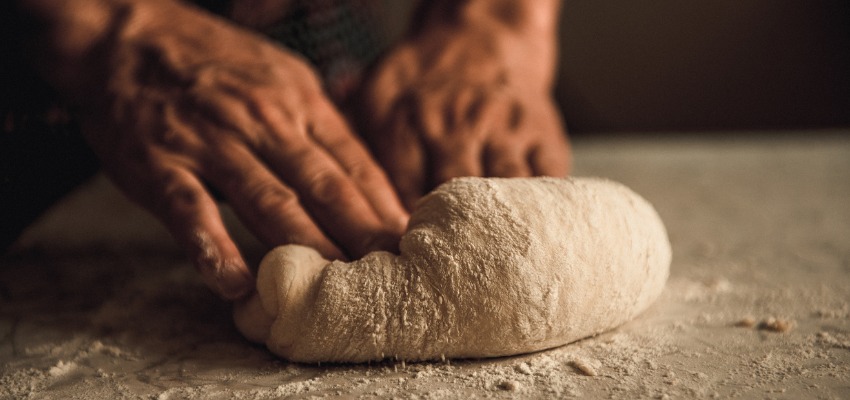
{"x": 98, "y": 303}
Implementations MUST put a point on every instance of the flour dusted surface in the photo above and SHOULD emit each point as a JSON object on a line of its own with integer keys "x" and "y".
{"x": 488, "y": 267}
{"x": 757, "y": 229}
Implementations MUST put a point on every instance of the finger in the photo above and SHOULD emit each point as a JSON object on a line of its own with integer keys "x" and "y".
{"x": 465, "y": 100}
{"x": 335, "y": 136}
{"x": 385, "y": 84}
{"x": 505, "y": 159}
{"x": 459, "y": 152}
{"x": 454, "y": 160}
{"x": 431, "y": 115}
{"x": 192, "y": 217}
{"x": 268, "y": 207}
{"x": 400, "y": 150}
{"x": 551, "y": 158}
{"x": 328, "y": 193}
{"x": 486, "y": 110}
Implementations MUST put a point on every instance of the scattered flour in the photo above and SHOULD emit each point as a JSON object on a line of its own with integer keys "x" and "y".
{"x": 160, "y": 330}
{"x": 584, "y": 367}
{"x": 61, "y": 368}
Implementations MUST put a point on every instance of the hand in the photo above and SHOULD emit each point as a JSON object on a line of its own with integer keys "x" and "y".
{"x": 189, "y": 101}
{"x": 462, "y": 101}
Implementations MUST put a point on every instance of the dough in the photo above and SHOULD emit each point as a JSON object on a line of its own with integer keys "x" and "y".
{"x": 488, "y": 267}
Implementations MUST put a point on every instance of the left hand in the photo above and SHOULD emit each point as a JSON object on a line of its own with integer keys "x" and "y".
{"x": 462, "y": 101}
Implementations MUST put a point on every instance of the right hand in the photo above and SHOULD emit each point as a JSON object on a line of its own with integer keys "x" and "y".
{"x": 458, "y": 101}
{"x": 181, "y": 100}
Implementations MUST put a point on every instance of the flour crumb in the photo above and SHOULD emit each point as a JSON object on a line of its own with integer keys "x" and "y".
{"x": 746, "y": 322}
{"x": 61, "y": 368}
{"x": 584, "y": 367}
{"x": 98, "y": 347}
{"x": 772, "y": 324}
{"x": 831, "y": 340}
{"x": 719, "y": 285}
{"x": 779, "y": 325}
{"x": 509, "y": 386}
{"x": 523, "y": 368}
{"x": 841, "y": 312}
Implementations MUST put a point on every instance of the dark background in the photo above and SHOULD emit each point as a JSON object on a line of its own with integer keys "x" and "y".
{"x": 704, "y": 65}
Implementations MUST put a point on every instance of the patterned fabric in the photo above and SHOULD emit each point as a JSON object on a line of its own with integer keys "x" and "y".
{"x": 340, "y": 37}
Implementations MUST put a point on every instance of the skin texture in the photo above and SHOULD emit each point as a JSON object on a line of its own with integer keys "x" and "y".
{"x": 174, "y": 101}
{"x": 177, "y": 103}
{"x": 467, "y": 94}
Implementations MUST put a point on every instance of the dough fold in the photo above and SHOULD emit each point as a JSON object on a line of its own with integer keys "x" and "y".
{"x": 488, "y": 267}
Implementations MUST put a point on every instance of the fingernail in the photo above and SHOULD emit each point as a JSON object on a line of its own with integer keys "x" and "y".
{"x": 234, "y": 280}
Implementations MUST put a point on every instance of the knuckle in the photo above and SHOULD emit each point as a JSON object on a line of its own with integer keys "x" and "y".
{"x": 271, "y": 197}
{"x": 362, "y": 171}
{"x": 175, "y": 133}
{"x": 176, "y": 196}
{"x": 326, "y": 187}
{"x": 171, "y": 138}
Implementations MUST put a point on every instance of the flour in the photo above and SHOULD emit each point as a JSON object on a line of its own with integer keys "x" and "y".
{"x": 102, "y": 287}
{"x": 61, "y": 368}
{"x": 584, "y": 367}
{"x": 488, "y": 267}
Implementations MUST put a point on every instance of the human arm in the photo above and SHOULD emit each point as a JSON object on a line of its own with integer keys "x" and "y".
{"x": 173, "y": 100}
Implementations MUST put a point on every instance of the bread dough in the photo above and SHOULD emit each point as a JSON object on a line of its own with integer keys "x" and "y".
{"x": 488, "y": 267}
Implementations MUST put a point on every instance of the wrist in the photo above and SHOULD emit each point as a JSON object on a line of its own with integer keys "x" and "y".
{"x": 63, "y": 39}
{"x": 522, "y": 17}
{"x": 524, "y": 31}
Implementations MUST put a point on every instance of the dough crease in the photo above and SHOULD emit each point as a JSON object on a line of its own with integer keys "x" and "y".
{"x": 488, "y": 267}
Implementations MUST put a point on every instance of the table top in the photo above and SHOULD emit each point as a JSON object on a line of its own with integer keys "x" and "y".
{"x": 97, "y": 302}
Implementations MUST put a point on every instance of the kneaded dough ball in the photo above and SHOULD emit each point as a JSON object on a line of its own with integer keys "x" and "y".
{"x": 488, "y": 267}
